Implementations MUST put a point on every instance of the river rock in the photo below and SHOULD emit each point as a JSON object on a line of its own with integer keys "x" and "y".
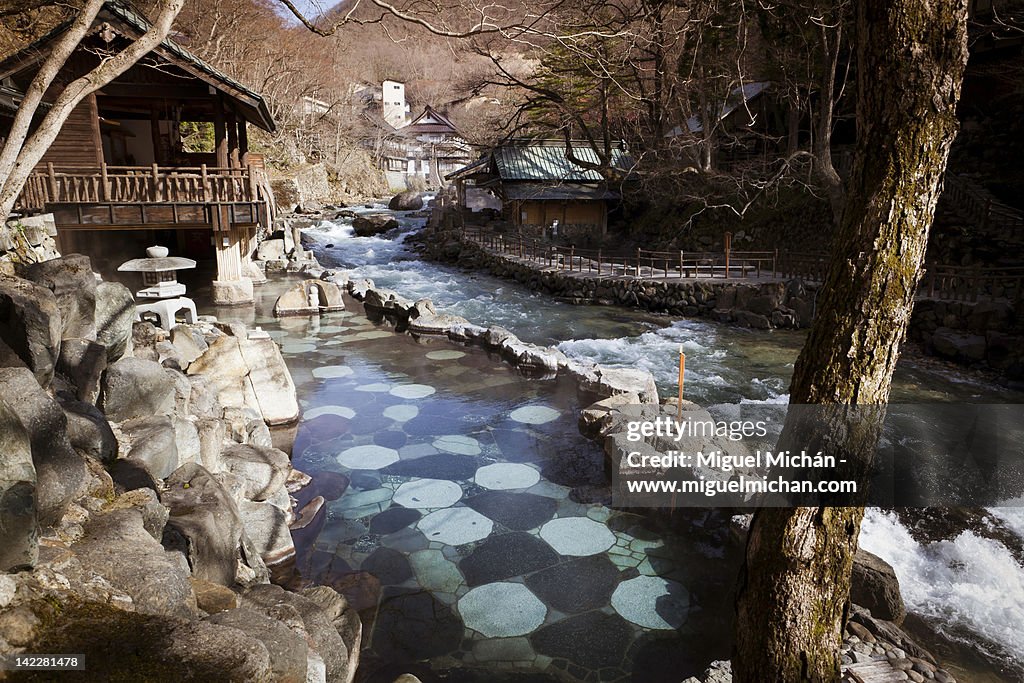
{"x": 605, "y": 382}
{"x": 265, "y": 470}
{"x": 115, "y": 312}
{"x": 30, "y": 326}
{"x": 133, "y": 387}
{"x": 224, "y": 368}
{"x": 958, "y": 345}
{"x": 271, "y": 250}
{"x": 89, "y": 431}
{"x": 370, "y": 225}
{"x": 387, "y": 300}
{"x": 874, "y": 585}
{"x": 288, "y": 650}
{"x": 19, "y": 534}
{"x": 406, "y": 201}
{"x": 438, "y": 325}
{"x": 83, "y": 362}
{"x": 204, "y": 524}
{"x": 422, "y": 307}
{"x": 341, "y": 662}
{"x": 73, "y": 284}
{"x": 61, "y": 473}
{"x": 359, "y": 288}
{"x": 211, "y": 652}
{"x": 592, "y": 417}
{"x": 118, "y": 546}
{"x": 271, "y": 381}
{"x": 298, "y": 299}
{"x": 266, "y": 525}
{"x": 496, "y": 336}
{"x": 153, "y": 444}
{"x": 189, "y": 343}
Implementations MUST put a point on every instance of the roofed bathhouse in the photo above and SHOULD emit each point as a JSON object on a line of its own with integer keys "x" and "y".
{"x": 540, "y": 187}
{"x": 118, "y": 179}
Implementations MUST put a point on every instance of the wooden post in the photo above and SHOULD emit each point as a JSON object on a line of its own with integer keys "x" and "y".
{"x": 572, "y": 255}
{"x": 682, "y": 372}
{"x": 205, "y": 180}
{"x": 638, "y": 261}
{"x": 775, "y": 264}
{"x": 54, "y": 188}
{"x": 156, "y": 184}
{"x": 235, "y": 156}
{"x": 243, "y": 141}
{"x": 682, "y": 267}
{"x": 728, "y": 248}
{"x": 154, "y": 133}
{"x": 219, "y": 132}
{"x": 104, "y": 183}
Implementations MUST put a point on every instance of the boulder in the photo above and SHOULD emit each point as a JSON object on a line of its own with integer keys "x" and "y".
{"x": 271, "y": 250}
{"x": 145, "y": 338}
{"x": 370, "y": 225}
{"x": 310, "y": 297}
{"x": 224, "y": 368}
{"x": 73, "y": 284}
{"x": 266, "y": 525}
{"x": 439, "y": 325}
{"x": 82, "y": 362}
{"x": 533, "y": 357}
{"x": 204, "y": 524}
{"x": 752, "y": 320}
{"x": 422, "y": 308}
{"x": 19, "y": 533}
{"x": 213, "y": 597}
{"x": 232, "y": 292}
{"x": 359, "y": 288}
{"x": 345, "y": 619}
{"x": 89, "y": 431}
{"x": 133, "y": 387}
{"x": 288, "y": 650}
{"x": 265, "y": 470}
{"x": 204, "y": 651}
{"x": 115, "y": 312}
{"x": 406, "y": 201}
{"x": 30, "y": 326}
{"x": 604, "y": 382}
{"x": 592, "y": 417}
{"x": 271, "y": 381}
{"x": 212, "y": 433}
{"x": 496, "y": 336}
{"x": 118, "y": 546}
{"x": 958, "y": 345}
{"x": 323, "y": 635}
{"x": 189, "y": 343}
{"x": 153, "y": 444}
{"x": 874, "y": 585}
{"x": 386, "y": 299}
{"x": 61, "y": 473}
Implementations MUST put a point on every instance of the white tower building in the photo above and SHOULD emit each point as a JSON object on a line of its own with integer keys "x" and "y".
{"x": 395, "y": 110}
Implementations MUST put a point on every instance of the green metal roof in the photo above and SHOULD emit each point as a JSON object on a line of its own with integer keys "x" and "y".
{"x": 549, "y": 162}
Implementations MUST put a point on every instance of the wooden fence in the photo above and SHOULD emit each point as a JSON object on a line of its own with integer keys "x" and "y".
{"x": 641, "y": 263}
{"x": 957, "y": 283}
{"x": 988, "y": 215}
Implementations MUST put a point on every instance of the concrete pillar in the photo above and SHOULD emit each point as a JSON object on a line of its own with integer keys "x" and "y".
{"x": 233, "y": 285}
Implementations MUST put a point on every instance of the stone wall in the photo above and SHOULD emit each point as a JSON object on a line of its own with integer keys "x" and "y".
{"x": 768, "y": 305}
{"x": 984, "y": 333}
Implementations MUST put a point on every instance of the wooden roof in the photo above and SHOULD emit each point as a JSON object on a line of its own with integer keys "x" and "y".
{"x": 127, "y": 20}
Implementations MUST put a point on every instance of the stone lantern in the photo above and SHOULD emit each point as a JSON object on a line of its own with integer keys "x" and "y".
{"x": 159, "y": 275}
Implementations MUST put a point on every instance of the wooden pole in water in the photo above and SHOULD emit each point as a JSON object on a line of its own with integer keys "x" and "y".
{"x": 682, "y": 370}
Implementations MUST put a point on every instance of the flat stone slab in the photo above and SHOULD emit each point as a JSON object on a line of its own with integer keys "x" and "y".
{"x": 652, "y": 602}
{"x": 374, "y": 388}
{"x": 534, "y": 415}
{"x": 455, "y": 526}
{"x": 401, "y": 413}
{"x": 372, "y": 334}
{"x": 333, "y": 372}
{"x": 457, "y": 443}
{"x": 428, "y": 493}
{"x": 393, "y": 519}
{"x": 577, "y": 536}
{"x": 502, "y": 610}
{"x": 368, "y": 457}
{"x": 503, "y": 650}
{"x": 439, "y": 466}
{"x": 434, "y": 572}
{"x": 579, "y": 585}
{"x": 502, "y": 476}
{"x": 517, "y": 511}
{"x": 502, "y": 557}
{"x": 297, "y": 347}
{"x": 595, "y": 640}
{"x": 412, "y": 391}
{"x": 339, "y": 411}
{"x": 445, "y": 355}
{"x": 390, "y": 566}
{"x": 413, "y": 625}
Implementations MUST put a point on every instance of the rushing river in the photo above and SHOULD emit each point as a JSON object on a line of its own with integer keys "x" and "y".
{"x": 466, "y": 517}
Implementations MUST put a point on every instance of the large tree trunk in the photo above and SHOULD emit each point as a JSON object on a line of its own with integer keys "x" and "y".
{"x": 794, "y": 588}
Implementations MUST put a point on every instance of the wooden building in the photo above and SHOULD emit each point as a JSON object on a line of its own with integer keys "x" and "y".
{"x": 118, "y": 176}
{"x": 538, "y": 185}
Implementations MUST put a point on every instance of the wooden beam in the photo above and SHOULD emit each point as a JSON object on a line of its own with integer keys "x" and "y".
{"x": 235, "y": 156}
{"x": 243, "y": 140}
{"x": 94, "y": 117}
{"x": 154, "y": 133}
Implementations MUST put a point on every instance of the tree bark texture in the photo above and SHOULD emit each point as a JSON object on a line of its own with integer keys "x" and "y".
{"x": 794, "y": 588}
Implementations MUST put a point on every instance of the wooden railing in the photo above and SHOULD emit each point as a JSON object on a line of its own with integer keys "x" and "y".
{"x": 957, "y": 283}
{"x": 806, "y": 266}
{"x": 642, "y": 263}
{"x": 137, "y": 184}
